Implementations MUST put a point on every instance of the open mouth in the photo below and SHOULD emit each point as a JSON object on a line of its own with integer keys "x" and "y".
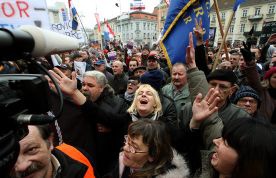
{"x": 143, "y": 101}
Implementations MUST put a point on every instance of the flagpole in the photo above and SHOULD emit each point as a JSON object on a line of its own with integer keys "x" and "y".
{"x": 220, "y": 29}
{"x": 223, "y": 40}
{"x": 83, "y": 27}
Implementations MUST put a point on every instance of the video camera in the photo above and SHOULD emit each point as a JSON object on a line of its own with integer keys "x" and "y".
{"x": 24, "y": 98}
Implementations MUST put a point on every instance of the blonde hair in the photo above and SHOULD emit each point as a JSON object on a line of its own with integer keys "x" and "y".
{"x": 158, "y": 105}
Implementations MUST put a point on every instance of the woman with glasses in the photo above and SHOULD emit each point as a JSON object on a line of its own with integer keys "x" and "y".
{"x": 147, "y": 153}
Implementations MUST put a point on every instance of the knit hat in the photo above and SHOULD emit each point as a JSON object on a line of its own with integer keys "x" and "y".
{"x": 223, "y": 74}
{"x": 271, "y": 71}
{"x": 246, "y": 91}
{"x": 154, "y": 78}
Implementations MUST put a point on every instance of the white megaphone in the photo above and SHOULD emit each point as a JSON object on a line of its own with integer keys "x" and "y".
{"x": 49, "y": 42}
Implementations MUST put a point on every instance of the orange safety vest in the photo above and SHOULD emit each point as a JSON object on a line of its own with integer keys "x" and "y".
{"x": 78, "y": 156}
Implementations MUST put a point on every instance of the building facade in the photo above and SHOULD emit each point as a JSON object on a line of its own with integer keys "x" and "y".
{"x": 252, "y": 13}
{"x": 139, "y": 27}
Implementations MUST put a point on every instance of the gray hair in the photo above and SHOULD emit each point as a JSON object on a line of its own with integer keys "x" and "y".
{"x": 99, "y": 76}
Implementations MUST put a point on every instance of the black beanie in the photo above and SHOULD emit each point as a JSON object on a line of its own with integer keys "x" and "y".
{"x": 154, "y": 78}
{"x": 223, "y": 74}
{"x": 246, "y": 91}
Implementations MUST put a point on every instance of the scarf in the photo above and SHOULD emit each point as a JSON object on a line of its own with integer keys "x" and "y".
{"x": 129, "y": 97}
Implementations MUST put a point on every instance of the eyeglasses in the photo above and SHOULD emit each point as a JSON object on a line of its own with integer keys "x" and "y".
{"x": 245, "y": 100}
{"x": 129, "y": 147}
{"x": 132, "y": 82}
{"x": 221, "y": 87}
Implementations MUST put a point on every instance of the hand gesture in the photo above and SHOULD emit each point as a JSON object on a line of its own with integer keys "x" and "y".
{"x": 246, "y": 53}
{"x": 68, "y": 86}
{"x": 199, "y": 32}
{"x": 190, "y": 53}
{"x": 203, "y": 108}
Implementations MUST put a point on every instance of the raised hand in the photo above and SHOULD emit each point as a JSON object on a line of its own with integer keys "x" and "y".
{"x": 190, "y": 53}
{"x": 68, "y": 86}
{"x": 203, "y": 108}
{"x": 246, "y": 53}
{"x": 199, "y": 32}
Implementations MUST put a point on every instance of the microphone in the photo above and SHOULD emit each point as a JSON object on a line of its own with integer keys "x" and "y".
{"x": 34, "y": 119}
{"x": 15, "y": 44}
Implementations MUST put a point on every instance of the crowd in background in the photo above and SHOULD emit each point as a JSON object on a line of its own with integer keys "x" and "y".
{"x": 136, "y": 117}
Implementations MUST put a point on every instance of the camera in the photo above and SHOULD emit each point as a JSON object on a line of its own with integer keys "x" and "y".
{"x": 24, "y": 97}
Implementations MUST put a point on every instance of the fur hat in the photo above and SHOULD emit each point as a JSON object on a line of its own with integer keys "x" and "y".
{"x": 223, "y": 74}
{"x": 246, "y": 91}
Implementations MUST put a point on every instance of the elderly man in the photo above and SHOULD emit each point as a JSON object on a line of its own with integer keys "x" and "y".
{"x": 248, "y": 99}
{"x": 119, "y": 82}
{"x": 95, "y": 87}
{"x": 38, "y": 157}
{"x": 178, "y": 89}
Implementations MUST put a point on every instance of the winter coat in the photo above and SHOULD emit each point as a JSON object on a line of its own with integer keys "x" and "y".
{"x": 119, "y": 83}
{"x": 212, "y": 126}
{"x": 268, "y": 104}
{"x": 177, "y": 168}
{"x": 179, "y": 100}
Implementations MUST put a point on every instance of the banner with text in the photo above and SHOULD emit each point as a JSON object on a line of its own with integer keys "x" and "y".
{"x": 14, "y": 13}
{"x": 66, "y": 29}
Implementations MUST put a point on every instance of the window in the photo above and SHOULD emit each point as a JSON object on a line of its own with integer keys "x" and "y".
{"x": 148, "y": 26}
{"x": 214, "y": 17}
{"x": 155, "y": 27}
{"x": 148, "y": 36}
{"x": 144, "y": 35}
{"x": 244, "y": 13}
{"x": 144, "y": 24}
{"x": 255, "y": 26}
{"x": 257, "y": 11}
{"x": 223, "y": 16}
{"x": 131, "y": 27}
{"x": 231, "y": 29}
{"x": 137, "y": 25}
{"x": 271, "y": 9}
{"x": 131, "y": 35}
{"x": 242, "y": 28}
{"x": 127, "y": 37}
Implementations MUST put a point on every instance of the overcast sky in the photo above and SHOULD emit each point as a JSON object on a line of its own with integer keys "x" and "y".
{"x": 105, "y": 8}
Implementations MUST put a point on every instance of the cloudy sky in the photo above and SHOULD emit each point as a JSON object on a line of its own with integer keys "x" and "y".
{"x": 105, "y": 8}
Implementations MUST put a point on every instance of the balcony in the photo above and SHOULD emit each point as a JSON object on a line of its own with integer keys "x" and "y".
{"x": 270, "y": 16}
{"x": 255, "y": 17}
{"x": 244, "y": 19}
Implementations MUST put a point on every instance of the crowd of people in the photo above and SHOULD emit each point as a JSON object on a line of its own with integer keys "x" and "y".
{"x": 127, "y": 114}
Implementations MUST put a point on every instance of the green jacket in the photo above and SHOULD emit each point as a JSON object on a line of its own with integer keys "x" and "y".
{"x": 211, "y": 128}
{"x": 180, "y": 100}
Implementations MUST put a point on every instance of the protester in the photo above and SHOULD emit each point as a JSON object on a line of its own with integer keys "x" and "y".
{"x": 139, "y": 71}
{"x": 178, "y": 89}
{"x": 248, "y": 99}
{"x": 132, "y": 86}
{"x": 100, "y": 65}
{"x": 147, "y": 153}
{"x": 119, "y": 82}
{"x": 266, "y": 90}
{"x": 246, "y": 149}
{"x": 38, "y": 157}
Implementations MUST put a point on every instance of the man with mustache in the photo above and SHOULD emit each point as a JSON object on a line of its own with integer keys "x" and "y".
{"x": 38, "y": 157}
{"x": 178, "y": 88}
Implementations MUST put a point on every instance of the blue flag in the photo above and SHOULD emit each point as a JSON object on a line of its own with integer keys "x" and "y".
{"x": 237, "y": 3}
{"x": 179, "y": 22}
{"x": 75, "y": 22}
